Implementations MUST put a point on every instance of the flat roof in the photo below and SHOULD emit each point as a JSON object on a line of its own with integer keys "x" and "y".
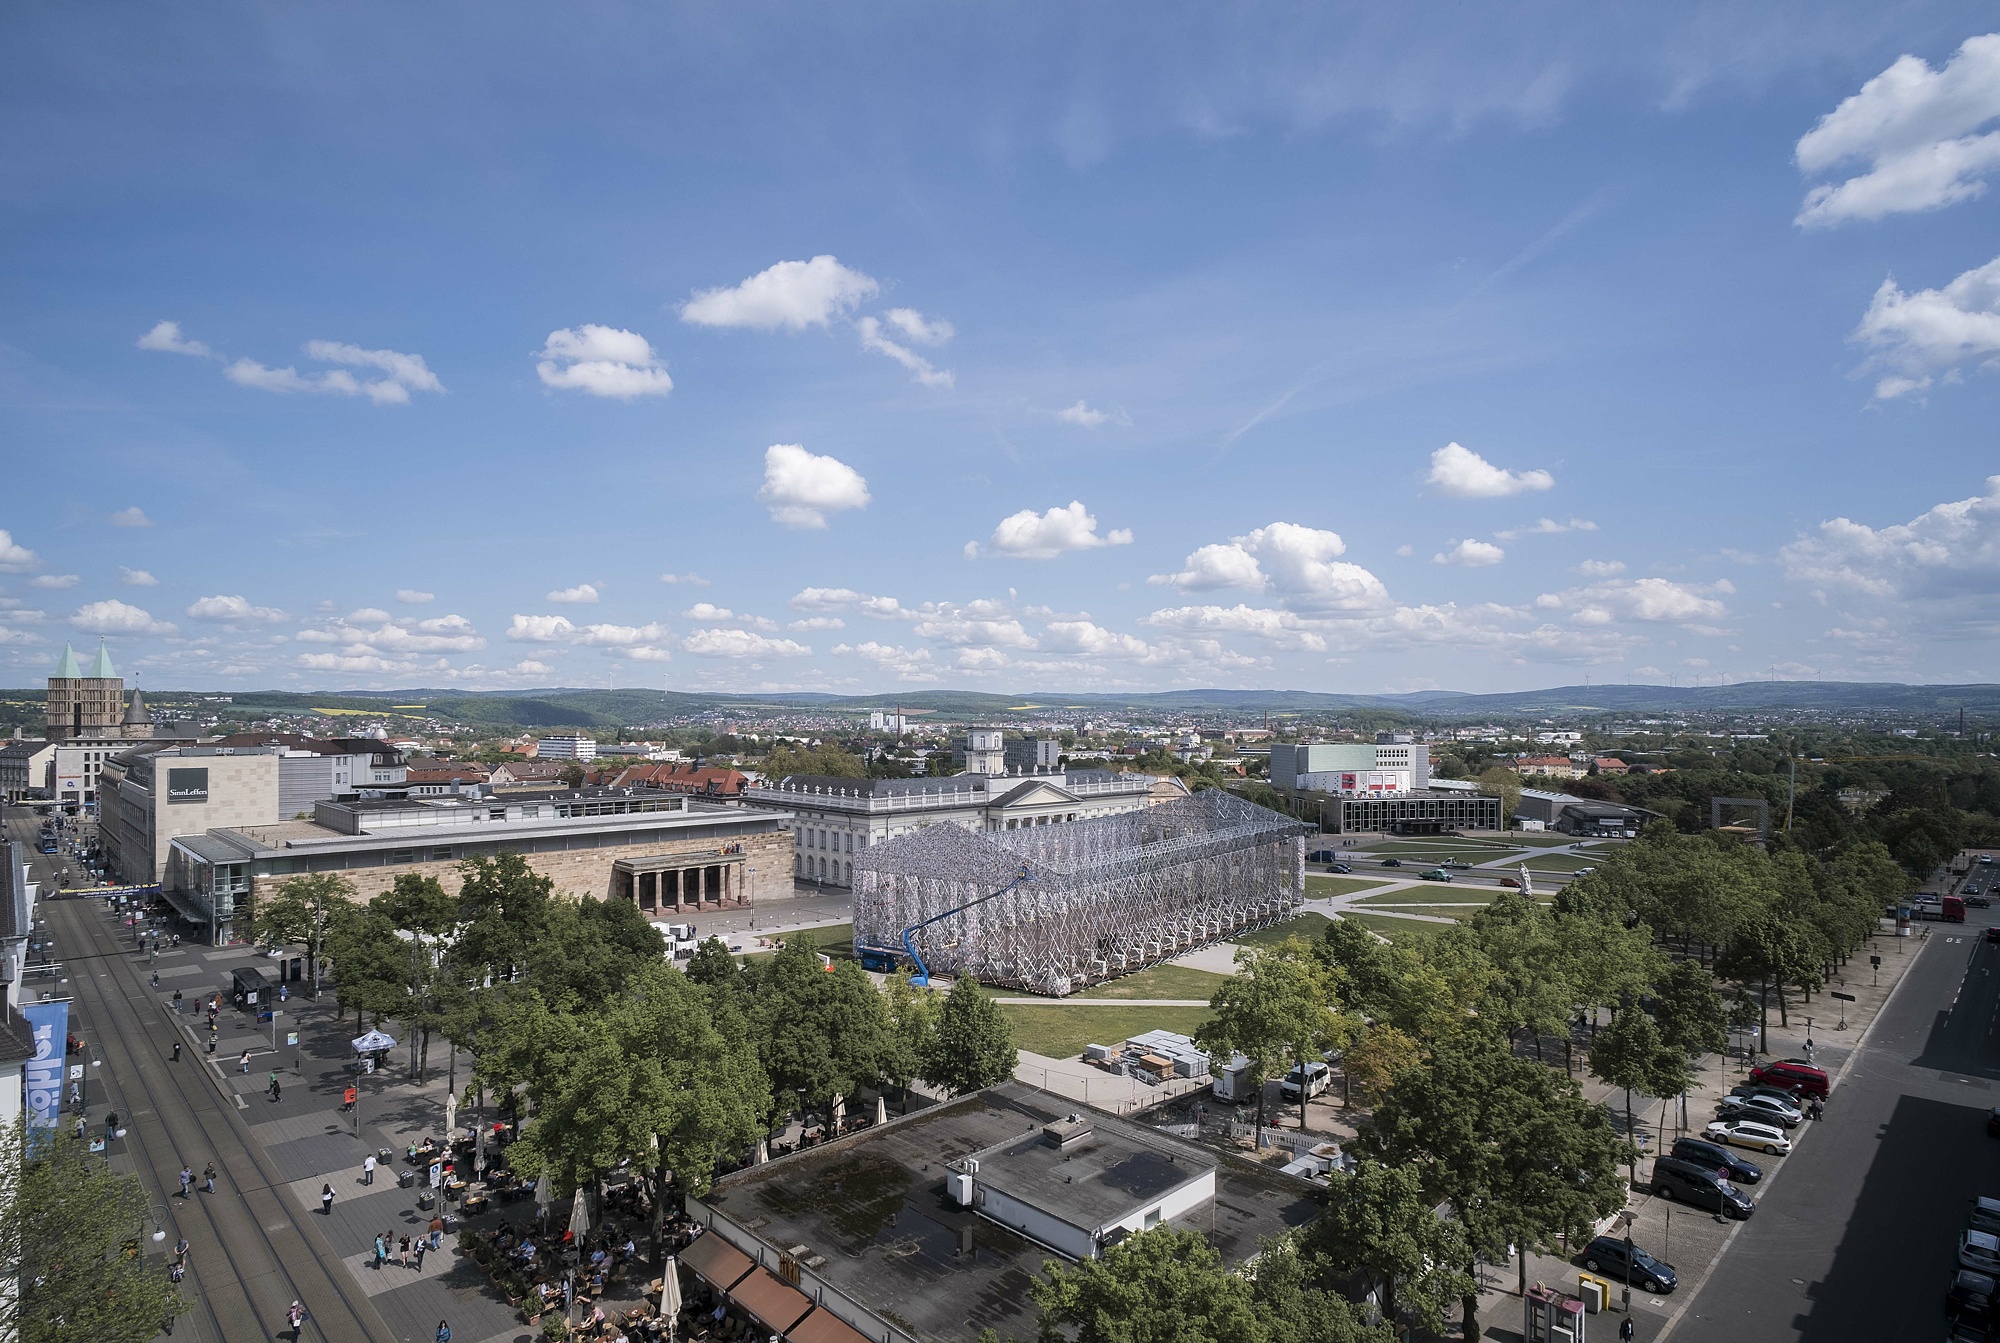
{"x": 1096, "y": 1180}
{"x": 874, "y": 1205}
{"x": 310, "y": 835}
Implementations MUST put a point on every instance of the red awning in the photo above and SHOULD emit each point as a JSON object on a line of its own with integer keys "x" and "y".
{"x": 820, "y": 1327}
{"x": 771, "y": 1299}
{"x": 716, "y": 1260}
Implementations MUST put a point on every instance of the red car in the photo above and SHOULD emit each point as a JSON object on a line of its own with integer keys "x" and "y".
{"x": 1514, "y": 885}
{"x": 1799, "y": 1078}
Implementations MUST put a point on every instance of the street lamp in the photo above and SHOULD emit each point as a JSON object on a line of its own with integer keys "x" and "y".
{"x": 158, "y": 1213}
{"x": 1626, "y": 1217}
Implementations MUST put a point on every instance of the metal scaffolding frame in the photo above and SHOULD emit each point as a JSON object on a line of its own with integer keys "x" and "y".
{"x": 1105, "y": 896}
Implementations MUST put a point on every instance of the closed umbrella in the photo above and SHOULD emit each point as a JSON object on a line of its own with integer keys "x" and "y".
{"x": 542, "y": 1193}
{"x": 881, "y": 1110}
{"x": 579, "y": 1215}
{"x": 839, "y": 1111}
{"x": 450, "y": 1116}
{"x": 763, "y": 1150}
{"x": 670, "y": 1294}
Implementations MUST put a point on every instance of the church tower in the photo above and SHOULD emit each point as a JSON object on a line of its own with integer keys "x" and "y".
{"x": 85, "y": 705}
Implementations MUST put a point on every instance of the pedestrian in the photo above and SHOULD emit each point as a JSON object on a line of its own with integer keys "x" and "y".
{"x": 326, "y": 1200}
{"x": 403, "y": 1252}
{"x": 187, "y": 1181}
{"x": 177, "y": 1002}
{"x": 274, "y": 1091}
{"x": 110, "y": 1126}
{"x": 211, "y": 1046}
{"x": 437, "y": 1234}
{"x": 243, "y": 1063}
{"x": 295, "y": 1318}
{"x": 422, "y": 1243}
{"x": 284, "y": 992}
{"x": 444, "y": 1332}
{"x": 1625, "y": 1329}
{"x": 177, "y": 1051}
{"x": 367, "y": 1167}
{"x": 181, "y": 1250}
{"x": 208, "y": 1174}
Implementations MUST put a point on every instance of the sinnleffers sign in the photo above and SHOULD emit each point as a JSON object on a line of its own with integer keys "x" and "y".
{"x": 187, "y": 785}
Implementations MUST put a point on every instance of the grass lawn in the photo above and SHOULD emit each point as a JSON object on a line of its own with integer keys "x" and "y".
{"x": 1448, "y": 896}
{"x": 1559, "y": 862}
{"x": 1542, "y": 841}
{"x": 1444, "y": 844}
{"x": 835, "y": 940}
{"x": 1062, "y": 1032}
{"x": 1159, "y": 981}
{"x": 1324, "y": 886}
{"x": 1392, "y": 928}
{"x": 1307, "y": 925}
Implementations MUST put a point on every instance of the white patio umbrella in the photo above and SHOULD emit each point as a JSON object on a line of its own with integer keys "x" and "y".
{"x": 579, "y": 1215}
{"x": 839, "y": 1111}
{"x": 542, "y": 1193}
{"x": 763, "y": 1151}
{"x": 450, "y": 1116}
{"x": 670, "y": 1294}
{"x": 881, "y": 1110}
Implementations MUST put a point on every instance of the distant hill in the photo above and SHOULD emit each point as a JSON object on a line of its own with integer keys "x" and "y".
{"x": 584, "y": 708}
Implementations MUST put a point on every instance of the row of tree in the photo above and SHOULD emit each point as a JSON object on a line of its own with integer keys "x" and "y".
{"x": 572, "y": 1010}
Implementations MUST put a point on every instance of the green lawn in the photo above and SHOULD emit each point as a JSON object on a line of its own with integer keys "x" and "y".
{"x": 1559, "y": 862}
{"x": 1308, "y": 925}
{"x": 1541, "y": 841}
{"x": 1325, "y": 886}
{"x": 1159, "y": 981}
{"x": 1448, "y": 895}
{"x": 1062, "y": 1032}
{"x": 1392, "y": 928}
{"x": 1446, "y": 845}
{"x": 835, "y": 940}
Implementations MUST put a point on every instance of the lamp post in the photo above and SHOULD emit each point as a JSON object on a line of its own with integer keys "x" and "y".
{"x": 1626, "y": 1218}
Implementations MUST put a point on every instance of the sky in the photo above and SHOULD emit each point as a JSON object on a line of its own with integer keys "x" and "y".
{"x": 876, "y": 347}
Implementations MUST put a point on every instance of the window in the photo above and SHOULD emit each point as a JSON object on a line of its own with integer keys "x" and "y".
{"x": 403, "y": 856}
{"x": 1152, "y": 1218}
{"x": 441, "y": 854}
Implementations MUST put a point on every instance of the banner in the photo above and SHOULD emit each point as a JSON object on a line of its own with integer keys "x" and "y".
{"x": 50, "y": 1024}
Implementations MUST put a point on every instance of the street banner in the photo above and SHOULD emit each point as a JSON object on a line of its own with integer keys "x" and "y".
{"x": 49, "y": 1023}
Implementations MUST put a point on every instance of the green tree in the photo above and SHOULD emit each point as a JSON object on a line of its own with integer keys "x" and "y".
{"x": 786, "y": 758}
{"x": 73, "y": 1235}
{"x": 371, "y": 963}
{"x": 913, "y": 1019}
{"x": 1379, "y": 1055}
{"x": 1768, "y": 950}
{"x": 821, "y": 1033}
{"x": 1503, "y": 783}
{"x": 1529, "y": 988}
{"x": 1279, "y": 1002}
{"x": 1378, "y": 1223}
{"x": 1628, "y": 1054}
{"x": 972, "y": 1046}
{"x": 1690, "y": 1011}
{"x": 302, "y": 909}
{"x": 712, "y": 964}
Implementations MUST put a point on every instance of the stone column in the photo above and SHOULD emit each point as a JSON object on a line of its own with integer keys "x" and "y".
{"x": 680, "y": 888}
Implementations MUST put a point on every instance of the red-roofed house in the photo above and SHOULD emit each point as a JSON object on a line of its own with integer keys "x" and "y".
{"x": 700, "y": 780}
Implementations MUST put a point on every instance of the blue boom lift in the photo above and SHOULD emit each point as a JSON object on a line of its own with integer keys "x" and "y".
{"x": 884, "y": 960}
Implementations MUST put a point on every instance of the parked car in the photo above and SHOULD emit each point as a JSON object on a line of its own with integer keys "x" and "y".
{"x": 1615, "y": 1259}
{"x": 1759, "y": 1089}
{"x": 1970, "y": 1293}
{"x": 1801, "y": 1078}
{"x": 1762, "y": 1109}
{"x": 1317, "y": 1077}
{"x": 1758, "y": 1137}
{"x": 1741, "y": 1170}
{"x": 1435, "y": 874}
{"x": 1979, "y": 1251}
{"x": 1339, "y": 867}
{"x": 1683, "y": 1181}
{"x": 1392, "y": 862}
{"x": 1993, "y": 933}
{"x": 1985, "y": 1215}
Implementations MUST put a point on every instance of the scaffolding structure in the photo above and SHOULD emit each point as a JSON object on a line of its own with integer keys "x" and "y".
{"x": 1104, "y": 897}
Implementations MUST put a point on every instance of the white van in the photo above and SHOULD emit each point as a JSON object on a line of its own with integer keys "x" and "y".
{"x": 1318, "y": 1077}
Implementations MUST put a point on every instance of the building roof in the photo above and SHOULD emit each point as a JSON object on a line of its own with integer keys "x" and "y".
{"x": 1096, "y": 1182}
{"x": 101, "y": 669}
{"x": 66, "y": 666}
{"x": 873, "y": 1205}
{"x": 136, "y": 713}
{"x": 25, "y": 746}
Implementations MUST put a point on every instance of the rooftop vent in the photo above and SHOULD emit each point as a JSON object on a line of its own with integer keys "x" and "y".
{"x": 1066, "y": 1132}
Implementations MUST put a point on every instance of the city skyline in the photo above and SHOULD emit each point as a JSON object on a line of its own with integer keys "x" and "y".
{"x": 876, "y": 351}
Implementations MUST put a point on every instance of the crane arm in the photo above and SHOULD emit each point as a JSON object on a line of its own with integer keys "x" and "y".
{"x": 923, "y": 976}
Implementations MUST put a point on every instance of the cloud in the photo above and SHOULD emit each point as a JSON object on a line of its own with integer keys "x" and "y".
{"x": 1948, "y": 553}
{"x": 801, "y": 488}
{"x": 909, "y": 664}
{"x": 1280, "y": 627}
{"x": 16, "y": 558}
{"x": 1092, "y": 640}
{"x": 136, "y": 578}
{"x": 1299, "y": 563}
{"x": 402, "y": 374}
{"x": 115, "y": 617}
{"x": 620, "y": 636}
{"x": 56, "y": 581}
{"x": 602, "y": 361}
{"x": 413, "y": 597}
{"x": 166, "y": 337}
{"x": 370, "y": 632}
{"x": 540, "y": 629}
{"x": 727, "y": 643}
{"x": 1601, "y": 568}
{"x": 1912, "y": 126}
{"x": 1464, "y": 474}
{"x": 582, "y": 594}
{"x": 691, "y": 580}
{"x": 710, "y": 613}
{"x": 978, "y": 624}
{"x": 648, "y": 653}
{"x": 1932, "y": 332}
{"x": 1547, "y": 527}
{"x": 1471, "y": 554}
{"x": 131, "y": 517}
{"x": 1087, "y": 417}
{"x": 792, "y": 294}
{"x": 912, "y": 325}
{"x": 368, "y": 662}
{"x": 847, "y": 599}
{"x": 925, "y": 372}
{"x": 1028, "y": 535}
{"x": 818, "y": 623}
{"x": 233, "y": 610}
{"x": 1647, "y": 600}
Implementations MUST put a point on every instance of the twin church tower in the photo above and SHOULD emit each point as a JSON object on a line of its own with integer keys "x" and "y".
{"x": 92, "y": 704}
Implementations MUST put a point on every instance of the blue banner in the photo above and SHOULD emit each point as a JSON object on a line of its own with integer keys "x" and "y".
{"x": 50, "y": 1024}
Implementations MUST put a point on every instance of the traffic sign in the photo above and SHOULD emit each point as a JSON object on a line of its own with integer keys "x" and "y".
{"x": 1874, "y": 960}
{"x": 1844, "y": 997}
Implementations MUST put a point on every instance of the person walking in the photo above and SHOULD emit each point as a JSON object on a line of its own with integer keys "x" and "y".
{"x": 1626, "y": 1330}
{"x": 418, "y": 1247}
{"x": 381, "y": 1252}
{"x": 181, "y": 1251}
{"x": 156, "y": 979}
{"x": 295, "y": 1319}
{"x": 187, "y": 1181}
{"x": 243, "y": 1063}
{"x": 368, "y": 1169}
{"x": 274, "y": 1088}
{"x": 211, "y": 1046}
{"x": 177, "y": 1051}
{"x": 443, "y": 1333}
{"x": 326, "y": 1200}
{"x": 208, "y": 1174}
{"x": 403, "y": 1253}
{"x": 110, "y": 1127}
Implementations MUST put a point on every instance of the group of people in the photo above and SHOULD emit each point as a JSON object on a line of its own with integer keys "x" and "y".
{"x": 389, "y": 1245}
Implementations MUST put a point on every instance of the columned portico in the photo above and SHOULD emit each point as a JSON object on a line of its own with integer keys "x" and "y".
{"x": 674, "y": 883}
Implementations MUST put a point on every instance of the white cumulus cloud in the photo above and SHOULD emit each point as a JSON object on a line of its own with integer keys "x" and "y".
{"x": 1301, "y": 564}
{"x": 1284, "y": 628}
{"x": 1930, "y": 333}
{"x": 621, "y": 636}
{"x": 1028, "y": 535}
{"x": 801, "y": 488}
{"x": 921, "y": 368}
{"x": 1548, "y": 527}
{"x": 233, "y": 610}
{"x": 732, "y": 643}
{"x": 131, "y": 517}
{"x": 540, "y": 629}
{"x": 602, "y": 361}
{"x": 1092, "y": 640}
{"x": 1471, "y": 554}
{"x": 1913, "y": 129}
{"x": 136, "y": 578}
{"x": 582, "y": 594}
{"x": 1083, "y": 415}
{"x": 791, "y": 294}
{"x": 1948, "y": 553}
{"x": 691, "y": 580}
{"x": 57, "y": 581}
{"x": 908, "y": 664}
{"x": 166, "y": 337}
{"x": 401, "y": 374}
{"x": 414, "y": 597}
{"x": 847, "y": 599}
{"x": 1647, "y": 600}
{"x": 116, "y": 617}
{"x": 16, "y": 558}
{"x": 1464, "y": 474}
{"x": 915, "y": 327}
{"x": 1601, "y": 568}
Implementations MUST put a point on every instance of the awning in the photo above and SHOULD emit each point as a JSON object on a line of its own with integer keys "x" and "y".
{"x": 721, "y": 1263}
{"x": 820, "y": 1327}
{"x": 771, "y": 1299}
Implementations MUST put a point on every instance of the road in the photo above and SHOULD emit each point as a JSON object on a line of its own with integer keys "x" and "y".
{"x": 251, "y": 1252}
{"x": 1857, "y": 1241}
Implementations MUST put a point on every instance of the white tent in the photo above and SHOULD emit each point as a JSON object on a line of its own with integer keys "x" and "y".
{"x": 373, "y": 1042}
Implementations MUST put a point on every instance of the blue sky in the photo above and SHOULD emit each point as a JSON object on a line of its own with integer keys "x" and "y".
{"x": 756, "y": 346}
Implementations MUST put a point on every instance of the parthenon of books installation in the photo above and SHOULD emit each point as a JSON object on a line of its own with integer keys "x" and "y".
{"x": 1104, "y": 896}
